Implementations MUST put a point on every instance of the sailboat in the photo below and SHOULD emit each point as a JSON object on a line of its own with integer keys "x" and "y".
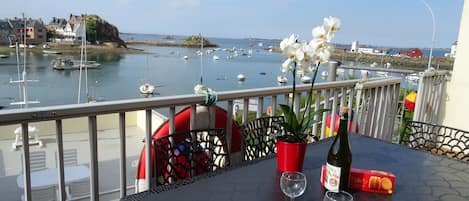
{"x": 146, "y": 88}
{"x": 84, "y": 64}
{"x": 23, "y": 93}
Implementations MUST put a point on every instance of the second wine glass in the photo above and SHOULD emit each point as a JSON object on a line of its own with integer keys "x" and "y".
{"x": 293, "y": 184}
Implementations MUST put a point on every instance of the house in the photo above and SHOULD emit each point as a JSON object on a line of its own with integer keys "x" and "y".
{"x": 453, "y": 49}
{"x": 5, "y": 31}
{"x": 56, "y": 23}
{"x": 35, "y": 30}
{"x": 69, "y": 31}
{"x": 414, "y": 53}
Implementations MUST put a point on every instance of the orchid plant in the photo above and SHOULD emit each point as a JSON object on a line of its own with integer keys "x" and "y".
{"x": 303, "y": 57}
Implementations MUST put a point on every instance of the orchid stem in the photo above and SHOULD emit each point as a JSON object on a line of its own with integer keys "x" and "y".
{"x": 311, "y": 92}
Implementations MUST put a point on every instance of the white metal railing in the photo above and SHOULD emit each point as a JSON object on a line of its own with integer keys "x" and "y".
{"x": 429, "y": 95}
{"x": 373, "y": 101}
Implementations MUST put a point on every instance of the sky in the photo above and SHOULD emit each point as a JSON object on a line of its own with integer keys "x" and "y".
{"x": 397, "y": 23}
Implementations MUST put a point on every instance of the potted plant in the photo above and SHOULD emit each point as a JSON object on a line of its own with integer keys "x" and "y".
{"x": 302, "y": 57}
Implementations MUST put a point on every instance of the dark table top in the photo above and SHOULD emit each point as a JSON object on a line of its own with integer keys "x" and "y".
{"x": 419, "y": 176}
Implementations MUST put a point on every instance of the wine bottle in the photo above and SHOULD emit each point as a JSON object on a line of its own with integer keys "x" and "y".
{"x": 339, "y": 158}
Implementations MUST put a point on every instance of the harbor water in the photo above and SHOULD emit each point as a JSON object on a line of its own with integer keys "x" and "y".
{"x": 120, "y": 75}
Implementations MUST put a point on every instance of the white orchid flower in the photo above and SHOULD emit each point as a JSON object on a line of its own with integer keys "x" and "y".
{"x": 286, "y": 65}
{"x": 288, "y": 45}
{"x": 323, "y": 53}
{"x": 331, "y": 24}
{"x": 320, "y": 33}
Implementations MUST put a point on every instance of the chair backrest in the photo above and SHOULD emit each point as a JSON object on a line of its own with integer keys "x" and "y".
{"x": 37, "y": 160}
{"x": 70, "y": 157}
{"x": 187, "y": 154}
{"x": 437, "y": 139}
{"x": 259, "y": 136}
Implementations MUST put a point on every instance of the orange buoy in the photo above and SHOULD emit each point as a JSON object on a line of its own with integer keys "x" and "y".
{"x": 409, "y": 101}
{"x": 336, "y": 126}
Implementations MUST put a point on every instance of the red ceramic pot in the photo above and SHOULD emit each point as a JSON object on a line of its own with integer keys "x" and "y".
{"x": 290, "y": 156}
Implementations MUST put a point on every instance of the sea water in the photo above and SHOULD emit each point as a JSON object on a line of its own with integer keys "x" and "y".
{"x": 120, "y": 75}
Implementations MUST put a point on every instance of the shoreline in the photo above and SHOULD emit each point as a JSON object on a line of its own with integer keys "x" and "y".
{"x": 169, "y": 44}
{"x": 73, "y": 49}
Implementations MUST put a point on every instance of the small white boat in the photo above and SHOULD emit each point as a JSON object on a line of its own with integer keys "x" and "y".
{"x": 324, "y": 73}
{"x": 382, "y": 74}
{"x": 51, "y": 52}
{"x": 147, "y": 88}
{"x": 185, "y": 57}
{"x": 282, "y": 79}
{"x": 3, "y": 56}
{"x": 241, "y": 77}
{"x": 414, "y": 77}
{"x": 215, "y": 57}
{"x": 340, "y": 72}
{"x": 306, "y": 79}
{"x": 365, "y": 73}
{"x": 68, "y": 64}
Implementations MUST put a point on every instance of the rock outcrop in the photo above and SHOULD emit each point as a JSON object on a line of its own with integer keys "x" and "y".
{"x": 99, "y": 30}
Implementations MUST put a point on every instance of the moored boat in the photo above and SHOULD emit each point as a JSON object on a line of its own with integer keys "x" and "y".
{"x": 147, "y": 88}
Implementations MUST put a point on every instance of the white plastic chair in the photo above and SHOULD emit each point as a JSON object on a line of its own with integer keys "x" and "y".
{"x": 43, "y": 194}
{"x": 37, "y": 160}
{"x": 78, "y": 189}
{"x": 70, "y": 157}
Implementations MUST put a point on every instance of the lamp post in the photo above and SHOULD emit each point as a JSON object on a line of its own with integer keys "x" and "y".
{"x": 433, "y": 34}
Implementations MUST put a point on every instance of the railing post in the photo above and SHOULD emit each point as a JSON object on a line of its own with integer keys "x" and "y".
{"x": 60, "y": 160}
{"x": 26, "y": 165}
{"x": 123, "y": 171}
{"x": 94, "y": 177}
{"x": 148, "y": 147}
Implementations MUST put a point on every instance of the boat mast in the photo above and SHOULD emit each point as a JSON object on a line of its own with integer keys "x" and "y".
{"x": 86, "y": 59}
{"x": 24, "y": 81}
{"x": 81, "y": 63}
{"x": 201, "y": 58}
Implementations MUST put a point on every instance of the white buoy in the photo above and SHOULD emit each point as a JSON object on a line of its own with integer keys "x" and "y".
{"x": 324, "y": 73}
{"x": 241, "y": 77}
{"x": 306, "y": 79}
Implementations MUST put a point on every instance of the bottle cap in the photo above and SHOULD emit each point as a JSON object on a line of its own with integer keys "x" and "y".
{"x": 344, "y": 109}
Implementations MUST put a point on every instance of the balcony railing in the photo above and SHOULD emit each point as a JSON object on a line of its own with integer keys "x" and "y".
{"x": 374, "y": 104}
{"x": 429, "y": 96}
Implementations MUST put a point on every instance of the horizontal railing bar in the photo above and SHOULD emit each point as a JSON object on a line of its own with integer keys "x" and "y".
{"x": 15, "y": 116}
{"x": 378, "y": 69}
{"x": 436, "y": 73}
{"x": 379, "y": 83}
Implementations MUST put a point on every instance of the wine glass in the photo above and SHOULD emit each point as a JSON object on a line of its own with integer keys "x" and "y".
{"x": 337, "y": 196}
{"x": 293, "y": 184}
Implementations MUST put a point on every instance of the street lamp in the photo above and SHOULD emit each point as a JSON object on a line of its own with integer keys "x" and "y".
{"x": 433, "y": 34}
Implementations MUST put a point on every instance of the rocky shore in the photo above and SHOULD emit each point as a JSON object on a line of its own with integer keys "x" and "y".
{"x": 395, "y": 61}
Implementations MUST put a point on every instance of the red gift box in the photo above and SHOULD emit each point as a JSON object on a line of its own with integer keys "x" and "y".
{"x": 368, "y": 180}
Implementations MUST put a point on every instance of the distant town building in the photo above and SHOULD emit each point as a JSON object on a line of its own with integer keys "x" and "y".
{"x": 414, "y": 53}
{"x": 5, "y": 32}
{"x": 35, "y": 30}
{"x": 355, "y": 46}
{"x": 452, "y": 53}
{"x": 56, "y": 23}
{"x": 70, "y": 31}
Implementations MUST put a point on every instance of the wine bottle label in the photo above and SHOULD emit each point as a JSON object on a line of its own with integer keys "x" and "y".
{"x": 332, "y": 179}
